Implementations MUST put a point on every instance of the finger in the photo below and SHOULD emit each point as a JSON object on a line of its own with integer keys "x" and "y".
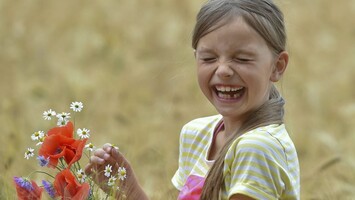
{"x": 88, "y": 169}
{"x": 98, "y": 164}
{"x": 102, "y": 154}
{"x": 115, "y": 154}
{"x": 91, "y": 168}
{"x": 119, "y": 158}
{"x": 99, "y": 152}
{"x": 97, "y": 160}
{"x": 107, "y": 147}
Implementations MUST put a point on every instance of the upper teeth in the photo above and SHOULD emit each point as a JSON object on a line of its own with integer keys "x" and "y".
{"x": 228, "y": 88}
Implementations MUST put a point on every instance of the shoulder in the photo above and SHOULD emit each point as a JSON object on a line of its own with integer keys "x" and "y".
{"x": 268, "y": 142}
{"x": 198, "y": 132}
{"x": 263, "y": 162}
{"x": 271, "y": 136}
{"x": 203, "y": 123}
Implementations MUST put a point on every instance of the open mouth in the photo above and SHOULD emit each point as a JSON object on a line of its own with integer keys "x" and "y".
{"x": 229, "y": 92}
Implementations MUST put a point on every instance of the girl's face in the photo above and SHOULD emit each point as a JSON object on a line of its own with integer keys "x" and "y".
{"x": 236, "y": 68}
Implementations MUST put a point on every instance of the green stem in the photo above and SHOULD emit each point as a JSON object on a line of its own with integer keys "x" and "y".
{"x": 74, "y": 122}
{"x": 40, "y": 172}
{"x": 62, "y": 163}
{"x": 78, "y": 165}
{"x": 88, "y": 156}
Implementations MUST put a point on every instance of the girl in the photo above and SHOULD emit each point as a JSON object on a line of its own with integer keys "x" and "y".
{"x": 245, "y": 152}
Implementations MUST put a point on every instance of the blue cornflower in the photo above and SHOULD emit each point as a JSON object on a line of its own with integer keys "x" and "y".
{"x": 24, "y": 183}
{"x": 49, "y": 188}
{"x": 43, "y": 161}
{"x": 91, "y": 195}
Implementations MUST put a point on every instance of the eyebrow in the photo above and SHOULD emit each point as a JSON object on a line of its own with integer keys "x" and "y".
{"x": 244, "y": 51}
{"x": 204, "y": 50}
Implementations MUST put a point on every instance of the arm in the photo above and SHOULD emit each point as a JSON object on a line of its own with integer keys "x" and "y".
{"x": 109, "y": 155}
{"x": 255, "y": 168}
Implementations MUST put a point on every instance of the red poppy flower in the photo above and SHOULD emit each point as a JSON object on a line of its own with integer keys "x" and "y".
{"x": 68, "y": 187}
{"x": 74, "y": 152}
{"x": 60, "y": 143}
{"x": 66, "y": 130}
{"x": 27, "y": 190}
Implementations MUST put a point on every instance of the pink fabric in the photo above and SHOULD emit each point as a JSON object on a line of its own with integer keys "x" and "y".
{"x": 192, "y": 188}
{"x": 219, "y": 128}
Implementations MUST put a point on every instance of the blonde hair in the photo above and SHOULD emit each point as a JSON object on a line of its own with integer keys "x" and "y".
{"x": 267, "y": 19}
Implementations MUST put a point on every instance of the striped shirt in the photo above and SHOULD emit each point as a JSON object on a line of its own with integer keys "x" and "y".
{"x": 261, "y": 163}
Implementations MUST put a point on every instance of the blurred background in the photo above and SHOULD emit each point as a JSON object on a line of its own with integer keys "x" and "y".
{"x": 131, "y": 64}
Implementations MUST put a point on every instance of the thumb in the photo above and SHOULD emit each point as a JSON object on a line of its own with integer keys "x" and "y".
{"x": 120, "y": 159}
{"x": 88, "y": 169}
{"x": 116, "y": 155}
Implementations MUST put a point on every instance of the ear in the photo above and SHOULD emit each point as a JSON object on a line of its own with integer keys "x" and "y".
{"x": 280, "y": 66}
{"x": 195, "y": 53}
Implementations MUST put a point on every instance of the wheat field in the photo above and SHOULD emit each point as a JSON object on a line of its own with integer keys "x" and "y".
{"x": 131, "y": 64}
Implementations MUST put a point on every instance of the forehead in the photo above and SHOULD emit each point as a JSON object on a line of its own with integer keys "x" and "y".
{"x": 233, "y": 33}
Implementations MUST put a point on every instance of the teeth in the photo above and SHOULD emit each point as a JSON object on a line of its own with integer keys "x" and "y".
{"x": 236, "y": 89}
{"x": 227, "y": 96}
{"x": 228, "y": 88}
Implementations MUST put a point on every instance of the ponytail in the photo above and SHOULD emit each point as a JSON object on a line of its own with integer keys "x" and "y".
{"x": 271, "y": 112}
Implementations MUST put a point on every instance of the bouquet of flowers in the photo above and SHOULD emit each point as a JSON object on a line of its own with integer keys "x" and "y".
{"x": 60, "y": 149}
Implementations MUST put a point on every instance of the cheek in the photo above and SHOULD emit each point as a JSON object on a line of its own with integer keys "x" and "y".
{"x": 262, "y": 89}
{"x": 258, "y": 83}
{"x": 201, "y": 74}
{"x": 203, "y": 78}
{"x": 202, "y": 81}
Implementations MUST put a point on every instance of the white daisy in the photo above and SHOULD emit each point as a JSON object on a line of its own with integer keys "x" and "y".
{"x": 108, "y": 170}
{"x": 63, "y": 116}
{"x": 47, "y": 115}
{"x": 83, "y": 133}
{"x": 41, "y": 139}
{"x": 81, "y": 175}
{"x": 37, "y": 135}
{"x": 76, "y": 106}
{"x": 122, "y": 173}
{"x": 29, "y": 153}
{"x": 90, "y": 147}
{"x": 114, "y": 146}
{"x": 111, "y": 181}
{"x": 62, "y": 122}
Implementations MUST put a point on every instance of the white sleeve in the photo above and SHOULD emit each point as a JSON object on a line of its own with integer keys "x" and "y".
{"x": 180, "y": 176}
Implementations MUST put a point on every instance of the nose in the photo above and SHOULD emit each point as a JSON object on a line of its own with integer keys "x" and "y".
{"x": 224, "y": 70}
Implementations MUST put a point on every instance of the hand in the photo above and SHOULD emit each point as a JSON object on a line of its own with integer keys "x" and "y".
{"x": 109, "y": 155}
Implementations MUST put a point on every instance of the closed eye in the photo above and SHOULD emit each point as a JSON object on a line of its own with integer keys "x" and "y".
{"x": 208, "y": 60}
{"x": 243, "y": 60}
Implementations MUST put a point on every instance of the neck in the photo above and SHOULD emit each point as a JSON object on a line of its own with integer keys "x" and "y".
{"x": 231, "y": 126}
